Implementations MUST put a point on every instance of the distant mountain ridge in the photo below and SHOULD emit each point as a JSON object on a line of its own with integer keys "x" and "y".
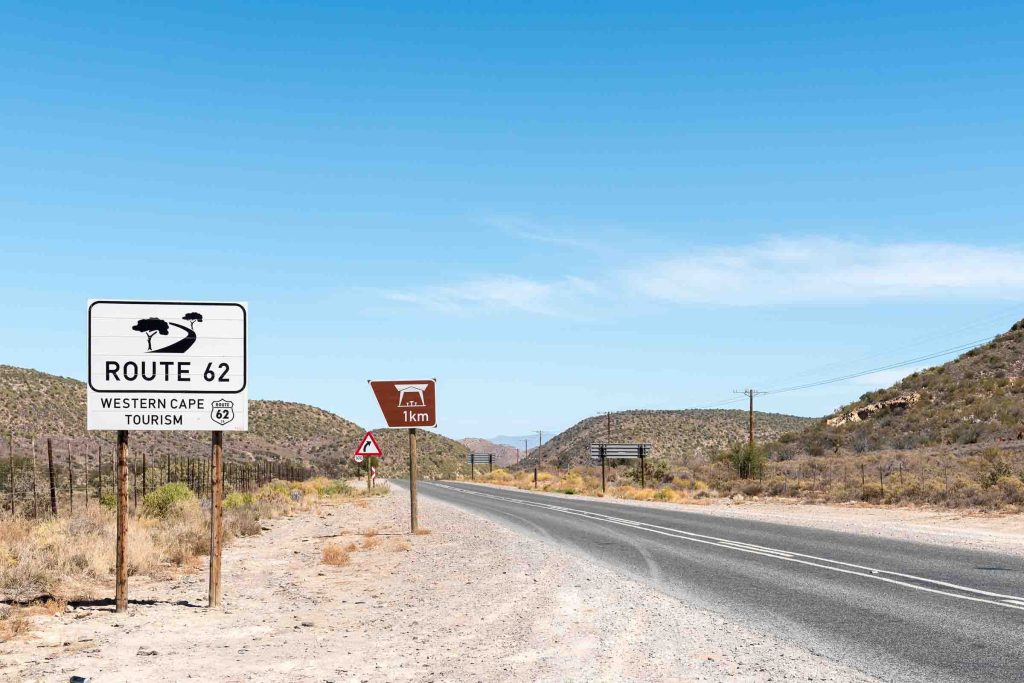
{"x": 676, "y": 435}
{"x": 40, "y": 405}
{"x": 504, "y": 455}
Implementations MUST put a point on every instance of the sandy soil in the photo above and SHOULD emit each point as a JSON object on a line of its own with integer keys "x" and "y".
{"x": 1003, "y": 533}
{"x": 471, "y": 601}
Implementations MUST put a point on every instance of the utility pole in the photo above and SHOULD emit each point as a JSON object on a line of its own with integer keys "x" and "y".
{"x": 751, "y": 393}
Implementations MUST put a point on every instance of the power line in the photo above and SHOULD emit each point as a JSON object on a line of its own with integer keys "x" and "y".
{"x": 891, "y": 366}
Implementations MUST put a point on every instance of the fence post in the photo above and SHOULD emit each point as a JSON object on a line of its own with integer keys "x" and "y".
{"x": 35, "y": 495}
{"x": 99, "y": 473}
{"x": 53, "y": 483}
{"x": 71, "y": 483}
{"x": 10, "y": 451}
{"x": 143, "y": 476}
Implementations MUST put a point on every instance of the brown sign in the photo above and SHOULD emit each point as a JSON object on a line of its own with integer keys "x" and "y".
{"x": 406, "y": 402}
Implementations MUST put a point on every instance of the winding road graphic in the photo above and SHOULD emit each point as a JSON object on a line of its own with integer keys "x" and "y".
{"x": 180, "y": 346}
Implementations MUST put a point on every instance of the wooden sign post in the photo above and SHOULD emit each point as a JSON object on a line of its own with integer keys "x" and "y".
{"x": 408, "y": 403}
{"x": 413, "y": 475}
{"x": 166, "y": 366}
{"x": 121, "y": 577}
{"x": 216, "y": 514}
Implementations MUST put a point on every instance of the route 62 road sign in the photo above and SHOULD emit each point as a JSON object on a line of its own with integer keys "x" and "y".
{"x": 167, "y": 365}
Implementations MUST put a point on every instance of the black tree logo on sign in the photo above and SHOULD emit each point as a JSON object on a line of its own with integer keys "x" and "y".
{"x": 193, "y": 318}
{"x": 154, "y": 326}
{"x": 151, "y": 327}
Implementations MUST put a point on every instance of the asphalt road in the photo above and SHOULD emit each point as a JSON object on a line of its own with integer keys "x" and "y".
{"x": 896, "y": 610}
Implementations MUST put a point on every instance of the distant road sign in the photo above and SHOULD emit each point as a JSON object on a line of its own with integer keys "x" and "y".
{"x": 622, "y": 451}
{"x": 357, "y": 458}
{"x": 368, "y": 446}
{"x": 480, "y": 458}
{"x": 407, "y": 402}
{"x": 167, "y": 365}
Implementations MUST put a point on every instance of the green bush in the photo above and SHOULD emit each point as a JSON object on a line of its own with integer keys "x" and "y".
{"x": 335, "y": 488}
{"x": 746, "y": 460}
{"x": 165, "y": 500}
{"x": 109, "y": 501}
{"x": 237, "y": 499}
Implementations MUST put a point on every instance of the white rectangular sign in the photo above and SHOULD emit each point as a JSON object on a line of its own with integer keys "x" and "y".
{"x": 167, "y": 365}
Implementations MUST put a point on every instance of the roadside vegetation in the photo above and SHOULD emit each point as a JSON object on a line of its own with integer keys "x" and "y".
{"x": 989, "y": 479}
{"x": 49, "y": 561}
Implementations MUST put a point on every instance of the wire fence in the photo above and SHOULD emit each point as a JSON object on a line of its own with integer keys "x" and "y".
{"x": 46, "y": 477}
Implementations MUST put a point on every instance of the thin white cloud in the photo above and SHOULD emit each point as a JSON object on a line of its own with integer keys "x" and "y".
{"x": 772, "y": 272}
{"x": 524, "y": 229}
{"x": 824, "y": 270}
{"x": 501, "y": 293}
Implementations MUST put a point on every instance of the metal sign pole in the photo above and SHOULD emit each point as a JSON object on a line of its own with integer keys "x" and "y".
{"x": 603, "y": 489}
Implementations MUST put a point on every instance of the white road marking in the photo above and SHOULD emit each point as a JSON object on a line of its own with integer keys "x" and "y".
{"x": 1008, "y": 601}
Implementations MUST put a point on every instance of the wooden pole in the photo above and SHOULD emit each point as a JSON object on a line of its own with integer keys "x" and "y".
{"x": 35, "y": 495}
{"x": 99, "y": 473}
{"x": 643, "y": 474}
{"x": 71, "y": 483}
{"x": 135, "y": 483}
{"x": 10, "y": 452}
{"x": 216, "y": 514}
{"x": 85, "y": 484}
{"x": 121, "y": 577}
{"x": 412, "y": 478}
{"x": 367, "y": 475}
{"x": 603, "y": 484}
{"x": 143, "y": 476}
{"x": 53, "y": 482}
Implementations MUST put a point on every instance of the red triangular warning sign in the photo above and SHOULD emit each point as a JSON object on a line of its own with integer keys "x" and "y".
{"x": 369, "y": 447}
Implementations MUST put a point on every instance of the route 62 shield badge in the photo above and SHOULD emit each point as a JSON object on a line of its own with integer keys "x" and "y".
{"x": 223, "y": 412}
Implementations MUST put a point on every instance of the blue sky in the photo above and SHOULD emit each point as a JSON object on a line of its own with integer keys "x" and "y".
{"x": 555, "y": 209}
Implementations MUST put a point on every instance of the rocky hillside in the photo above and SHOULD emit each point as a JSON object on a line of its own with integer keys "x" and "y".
{"x": 35, "y": 404}
{"x": 504, "y": 455}
{"x": 976, "y": 398}
{"x": 679, "y": 436}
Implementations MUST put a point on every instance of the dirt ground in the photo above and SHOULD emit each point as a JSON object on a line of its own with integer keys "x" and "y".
{"x": 991, "y": 531}
{"x": 471, "y": 601}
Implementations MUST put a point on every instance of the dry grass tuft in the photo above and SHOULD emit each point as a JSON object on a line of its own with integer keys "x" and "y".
{"x": 335, "y": 555}
{"x": 423, "y": 532}
{"x": 370, "y": 543}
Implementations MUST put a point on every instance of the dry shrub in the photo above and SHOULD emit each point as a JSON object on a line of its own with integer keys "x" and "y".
{"x": 335, "y": 555}
{"x": 370, "y": 543}
{"x": 399, "y": 545}
{"x": 370, "y": 533}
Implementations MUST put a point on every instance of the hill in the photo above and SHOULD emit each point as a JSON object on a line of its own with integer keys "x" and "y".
{"x": 504, "y": 455}
{"x": 36, "y": 404}
{"x": 678, "y": 436}
{"x": 977, "y": 398}
{"x": 437, "y": 455}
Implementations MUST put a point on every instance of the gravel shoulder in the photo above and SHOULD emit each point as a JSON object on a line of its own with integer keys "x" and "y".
{"x": 470, "y": 601}
{"x": 995, "y": 532}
